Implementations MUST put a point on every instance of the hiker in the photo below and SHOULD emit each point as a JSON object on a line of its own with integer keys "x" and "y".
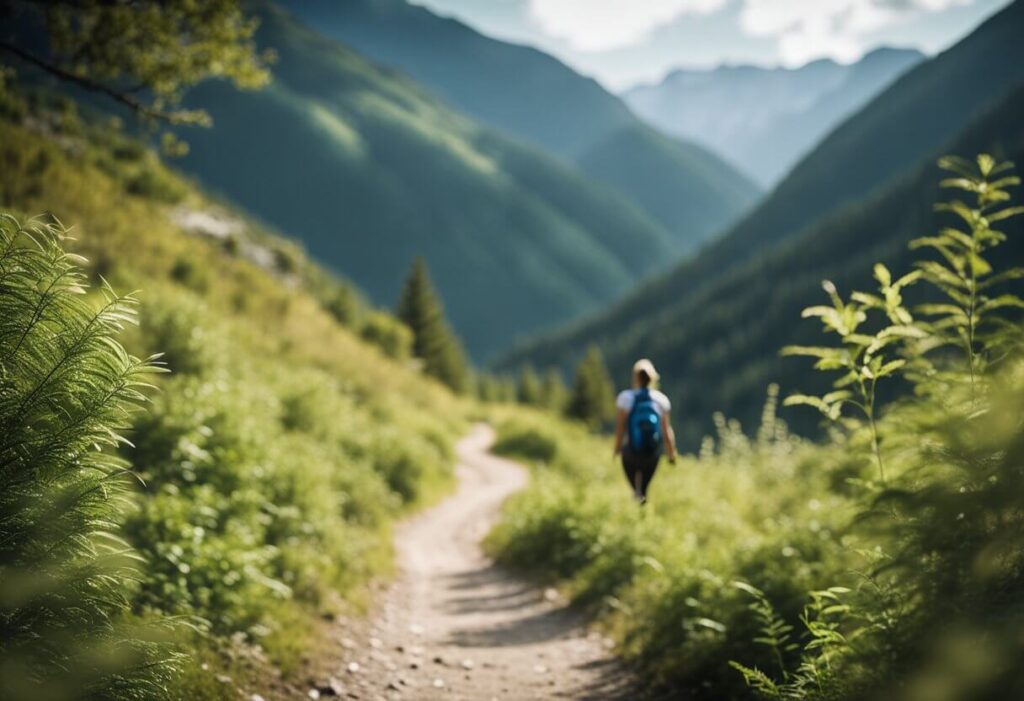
{"x": 643, "y": 428}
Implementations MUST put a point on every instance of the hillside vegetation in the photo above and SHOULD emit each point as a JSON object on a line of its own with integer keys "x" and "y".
{"x": 268, "y": 461}
{"x": 528, "y": 94}
{"x": 883, "y": 563}
{"x": 716, "y": 322}
{"x": 369, "y": 171}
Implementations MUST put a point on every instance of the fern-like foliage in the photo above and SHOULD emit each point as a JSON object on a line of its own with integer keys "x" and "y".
{"x": 862, "y": 359}
{"x": 68, "y": 391}
{"x": 964, "y": 272}
{"x": 824, "y": 642}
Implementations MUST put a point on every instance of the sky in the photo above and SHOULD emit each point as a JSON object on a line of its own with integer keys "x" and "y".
{"x": 625, "y": 42}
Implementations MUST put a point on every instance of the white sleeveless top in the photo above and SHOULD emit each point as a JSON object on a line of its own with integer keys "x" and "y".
{"x": 626, "y": 398}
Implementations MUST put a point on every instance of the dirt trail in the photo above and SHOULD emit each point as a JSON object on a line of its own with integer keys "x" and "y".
{"x": 456, "y": 626}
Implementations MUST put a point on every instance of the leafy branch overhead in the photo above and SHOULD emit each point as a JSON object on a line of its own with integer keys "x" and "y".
{"x": 144, "y": 54}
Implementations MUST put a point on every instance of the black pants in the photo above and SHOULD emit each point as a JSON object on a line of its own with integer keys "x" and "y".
{"x": 639, "y": 468}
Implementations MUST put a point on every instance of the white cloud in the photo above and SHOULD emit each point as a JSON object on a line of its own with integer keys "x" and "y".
{"x": 809, "y": 29}
{"x": 599, "y": 25}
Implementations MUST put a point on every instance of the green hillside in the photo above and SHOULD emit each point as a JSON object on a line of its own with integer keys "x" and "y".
{"x": 690, "y": 319}
{"x": 718, "y": 347}
{"x": 369, "y": 171}
{"x": 534, "y": 97}
{"x": 667, "y": 178}
{"x": 257, "y": 511}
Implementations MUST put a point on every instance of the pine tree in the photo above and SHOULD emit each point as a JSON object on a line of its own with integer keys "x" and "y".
{"x": 553, "y": 391}
{"x": 593, "y": 398}
{"x": 529, "y": 390}
{"x": 434, "y": 342}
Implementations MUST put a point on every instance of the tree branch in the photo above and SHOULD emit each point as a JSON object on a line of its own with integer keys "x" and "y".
{"x": 180, "y": 117}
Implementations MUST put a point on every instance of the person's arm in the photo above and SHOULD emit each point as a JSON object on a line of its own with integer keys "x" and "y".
{"x": 670, "y": 438}
{"x": 620, "y": 430}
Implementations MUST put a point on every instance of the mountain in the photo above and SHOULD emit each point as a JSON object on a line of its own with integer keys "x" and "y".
{"x": 716, "y": 322}
{"x": 764, "y": 119}
{"x": 534, "y": 97}
{"x": 369, "y": 170}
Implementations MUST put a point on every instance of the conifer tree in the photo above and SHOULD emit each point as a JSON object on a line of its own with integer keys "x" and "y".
{"x": 529, "y": 390}
{"x": 434, "y": 342}
{"x": 593, "y": 398}
{"x": 553, "y": 391}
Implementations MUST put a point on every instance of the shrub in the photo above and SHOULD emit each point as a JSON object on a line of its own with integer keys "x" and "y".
{"x": 531, "y": 443}
{"x": 67, "y": 392}
{"x": 387, "y": 333}
{"x": 152, "y": 182}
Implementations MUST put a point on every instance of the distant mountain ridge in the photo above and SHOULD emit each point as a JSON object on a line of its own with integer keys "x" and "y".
{"x": 369, "y": 170}
{"x": 763, "y": 120}
{"x": 533, "y": 96}
{"x": 716, "y": 323}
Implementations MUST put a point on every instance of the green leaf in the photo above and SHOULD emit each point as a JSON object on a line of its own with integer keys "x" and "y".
{"x": 748, "y": 588}
{"x": 958, "y": 165}
{"x": 838, "y": 396}
{"x": 710, "y": 624}
{"x": 908, "y": 279}
{"x": 807, "y": 400}
{"x": 1001, "y": 302}
{"x": 868, "y": 300}
{"x": 1005, "y": 214}
{"x": 812, "y": 351}
{"x": 890, "y": 368}
{"x": 979, "y": 265}
{"x": 1003, "y": 183}
{"x": 986, "y": 163}
{"x": 968, "y": 215}
{"x": 999, "y": 278}
{"x": 961, "y": 183}
{"x": 937, "y": 273}
{"x": 956, "y": 236}
{"x": 883, "y": 275}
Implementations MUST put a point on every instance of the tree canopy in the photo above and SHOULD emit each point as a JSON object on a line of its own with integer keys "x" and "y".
{"x": 143, "y": 54}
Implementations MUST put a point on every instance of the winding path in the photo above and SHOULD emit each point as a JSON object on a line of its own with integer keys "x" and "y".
{"x": 456, "y": 626}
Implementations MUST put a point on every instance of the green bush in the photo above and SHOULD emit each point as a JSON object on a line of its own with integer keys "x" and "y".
{"x": 531, "y": 443}
{"x": 151, "y": 181}
{"x": 68, "y": 391}
{"x": 387, "y": 333}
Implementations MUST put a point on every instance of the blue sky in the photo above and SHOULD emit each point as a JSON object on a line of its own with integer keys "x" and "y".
{"x": 624, "y": 42}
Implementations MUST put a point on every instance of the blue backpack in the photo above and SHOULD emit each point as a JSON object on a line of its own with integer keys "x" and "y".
{"x": 644, "y": 424}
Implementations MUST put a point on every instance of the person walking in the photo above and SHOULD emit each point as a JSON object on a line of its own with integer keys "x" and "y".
{"x": 643, "y": 428}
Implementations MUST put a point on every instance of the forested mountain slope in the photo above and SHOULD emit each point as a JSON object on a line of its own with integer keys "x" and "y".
{"x": 533, "y": 96}
{"x": 764, "y": 119}
{"x": 369, "y": 171}
{"x": 718, "y": 348}
{"x": 716, "y": 322}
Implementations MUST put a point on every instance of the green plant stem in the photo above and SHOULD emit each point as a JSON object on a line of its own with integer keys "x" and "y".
{"x": 972, "y": 288}
{"x": 869, "y": 411}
